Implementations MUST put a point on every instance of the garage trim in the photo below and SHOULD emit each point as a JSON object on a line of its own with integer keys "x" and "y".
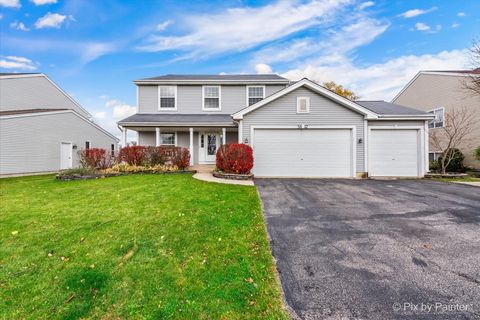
{"x": 420, "y": 139}
{"x": 353, "y": 129}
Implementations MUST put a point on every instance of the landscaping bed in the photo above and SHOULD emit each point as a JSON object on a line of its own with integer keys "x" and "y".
{"x": 140, "y": 246}
{"x": 232, "y": 176}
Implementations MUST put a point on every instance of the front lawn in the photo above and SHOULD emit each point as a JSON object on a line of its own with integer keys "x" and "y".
{"x": 137, "y": 247}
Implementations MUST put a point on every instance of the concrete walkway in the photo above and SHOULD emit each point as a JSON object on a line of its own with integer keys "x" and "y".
{"x": 471, "y": 183}
{"x": 204, "y": 173}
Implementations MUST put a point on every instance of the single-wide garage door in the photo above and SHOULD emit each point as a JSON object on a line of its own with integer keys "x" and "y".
{"x": 394, "y": 153}
{"x": 303, "y": 153}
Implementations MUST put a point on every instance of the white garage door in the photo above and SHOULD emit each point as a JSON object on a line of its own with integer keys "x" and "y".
{"x": 394, "y": 153}
{"x": 303, "y": 153}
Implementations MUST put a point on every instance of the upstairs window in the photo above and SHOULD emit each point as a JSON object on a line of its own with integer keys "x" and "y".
{"x": 167, "y": 139}
{"x": 167, "y": 96}
{"x": 303, "y": 105}
{"x": 255, "y": 94}
{"x": 87, "y": 145}
{"x": 112, "y": 150}
{"x": 439, "y": 118}
{"x": 211, "y": 98}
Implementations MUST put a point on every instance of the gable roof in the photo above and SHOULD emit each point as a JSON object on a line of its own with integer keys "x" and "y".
{"x": 455, "y": 73}
{"x": 215, "y": 78}
{"x": 314, "y": 87}
{"x": 32, "y": 75}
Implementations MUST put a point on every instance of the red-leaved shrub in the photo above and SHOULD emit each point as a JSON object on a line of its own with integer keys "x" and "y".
{"x": 133, "y": 155}
{"x": 235, "y": 158}
{"x": 155, "y": 156}
{"x": 92, "y": 158}
{"x": 180, "y": 157}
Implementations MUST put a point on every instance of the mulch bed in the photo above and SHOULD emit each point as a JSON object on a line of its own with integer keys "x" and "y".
{"x": 232, "y": 176}
{"x": 107, "y": 175}
{"x": 447, "y": 175}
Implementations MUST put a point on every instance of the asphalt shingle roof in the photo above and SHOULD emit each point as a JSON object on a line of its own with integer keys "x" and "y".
{"x": 220, "y": 77}
{"x": 178, "y": 118}
{"x": 386, "y": 108}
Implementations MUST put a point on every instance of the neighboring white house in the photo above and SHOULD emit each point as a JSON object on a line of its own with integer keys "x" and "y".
{"x": 443, "y": 92}
{"x": 296, "y": 129}
{"x": 42, "y": 128}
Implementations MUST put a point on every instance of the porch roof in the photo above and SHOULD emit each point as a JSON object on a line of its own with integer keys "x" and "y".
{"x": 178, "y": 120}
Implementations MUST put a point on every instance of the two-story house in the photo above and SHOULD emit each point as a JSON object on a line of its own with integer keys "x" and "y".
{"x": 296, "y": 129}
{"x": 443, "y": 92}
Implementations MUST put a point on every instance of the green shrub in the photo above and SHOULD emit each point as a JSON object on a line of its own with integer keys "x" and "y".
{"x": 456, "y": 164}
{"x": 80, "y": 171}
{"x": 434, "y": 165}
{"x": 477, "y": 153}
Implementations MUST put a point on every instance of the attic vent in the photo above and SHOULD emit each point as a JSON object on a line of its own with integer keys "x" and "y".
{"x": 303, "y": 105}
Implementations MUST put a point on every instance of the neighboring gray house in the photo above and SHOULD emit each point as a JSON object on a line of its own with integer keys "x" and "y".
{"x": 296, "y": 129}
{"x": 443, "y": 92}
{"x": 42, "y": 128}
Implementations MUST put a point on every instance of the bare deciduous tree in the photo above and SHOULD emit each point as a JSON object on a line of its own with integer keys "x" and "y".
{"x": 472, "y": 83}
{"x": 458, "y": 125}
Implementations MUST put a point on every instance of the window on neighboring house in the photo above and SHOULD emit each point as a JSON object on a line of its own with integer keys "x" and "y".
{"x": 433, "y": 156}
{"x": 167, "y": 139}
{"x": 255, "y": 94}
{"x": 211, "y": 98}
{"x": 167, "y": 97}
{"x": 439, "y": 118}
{"x": 303, "y": 105}
{"x": 87, "y": 145}
{"x": 112, "y": 149}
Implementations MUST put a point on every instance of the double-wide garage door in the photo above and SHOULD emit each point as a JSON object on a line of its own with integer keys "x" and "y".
{"x": 303, "y": 153}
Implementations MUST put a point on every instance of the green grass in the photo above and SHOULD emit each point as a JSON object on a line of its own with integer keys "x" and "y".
{"x": 466, "y": 179}
{"x": 137, "y": 247}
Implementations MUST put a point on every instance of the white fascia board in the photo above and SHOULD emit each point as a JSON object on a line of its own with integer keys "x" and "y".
{"x": 313, "y": 86}
{"x": 47, "y": 113}
{"x": 33, "y": 75}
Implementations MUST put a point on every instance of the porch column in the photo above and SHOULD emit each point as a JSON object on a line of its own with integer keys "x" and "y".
{"x": 191, "y": 146}
{"x": 124, "y": 142}
{"x": 224, "y": 136}
{"x": 240, "y": 131}
{"x": 157, "y": 137}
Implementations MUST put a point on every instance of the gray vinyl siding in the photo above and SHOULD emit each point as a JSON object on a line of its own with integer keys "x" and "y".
{"x": 32, "y": 144}
{"x": 189, "y": 98}
{"x": 147, "y": 138}
{"x": 33, "y": 93}
{"x": 323, "y": 112}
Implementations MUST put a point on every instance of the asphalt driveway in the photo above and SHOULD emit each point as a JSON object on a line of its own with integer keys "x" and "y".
{"x": 371, "y": 249}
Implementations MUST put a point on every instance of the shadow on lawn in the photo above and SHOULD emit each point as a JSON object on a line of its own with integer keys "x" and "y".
{"x": 85, "y": 286}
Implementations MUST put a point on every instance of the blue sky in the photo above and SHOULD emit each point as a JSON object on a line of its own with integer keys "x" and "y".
{"x": 94, "y": 49}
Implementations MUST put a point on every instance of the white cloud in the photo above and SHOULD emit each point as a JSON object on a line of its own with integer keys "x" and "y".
{"x": 120, "y": 109}
{"x": 10, "y": 3}
{"x": 99, "y": 115}
{"x": 19, "y": 26}
{"x": 42, "y": 2}
{"x": 237, "y": 29}
{"x": 263, "y": 68}
{"x": 455, "y": 25}
{"x": 92, "y": 51}
{"x": 461, "y": 14}
{"x": 422, "y": 26}
{"x": 333, "y": 44}
{"x": 164, "y": 25}
{"x": 52, "y": 20}
{"x": 365, "y": 5}
{"x": 382, "y": 80}
{"x": 416, "y": 12}
{"x": 18, "y": 63}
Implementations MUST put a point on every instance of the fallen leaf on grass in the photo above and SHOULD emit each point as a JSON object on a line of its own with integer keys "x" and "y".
{"x": 92, "y": 266}
{"x": 249, "y": 280}
{"x": 14, "y": 233}
{"x": 70, "y": 298}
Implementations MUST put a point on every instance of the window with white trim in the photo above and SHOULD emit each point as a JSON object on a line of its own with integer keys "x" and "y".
{"x": 87, "y": 145}
{"x": 167, "y": 97}
{"x": 255, "y": 94}
{"x": 438, "y": 122}
{"x": 211, "y": 98}
{"x": 167, "y": 138}
{"x": 303, "y": 105}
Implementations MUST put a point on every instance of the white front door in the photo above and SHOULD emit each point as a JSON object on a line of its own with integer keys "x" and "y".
{"x": 65, "y": 155}
{"x": 208, "y": 146}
